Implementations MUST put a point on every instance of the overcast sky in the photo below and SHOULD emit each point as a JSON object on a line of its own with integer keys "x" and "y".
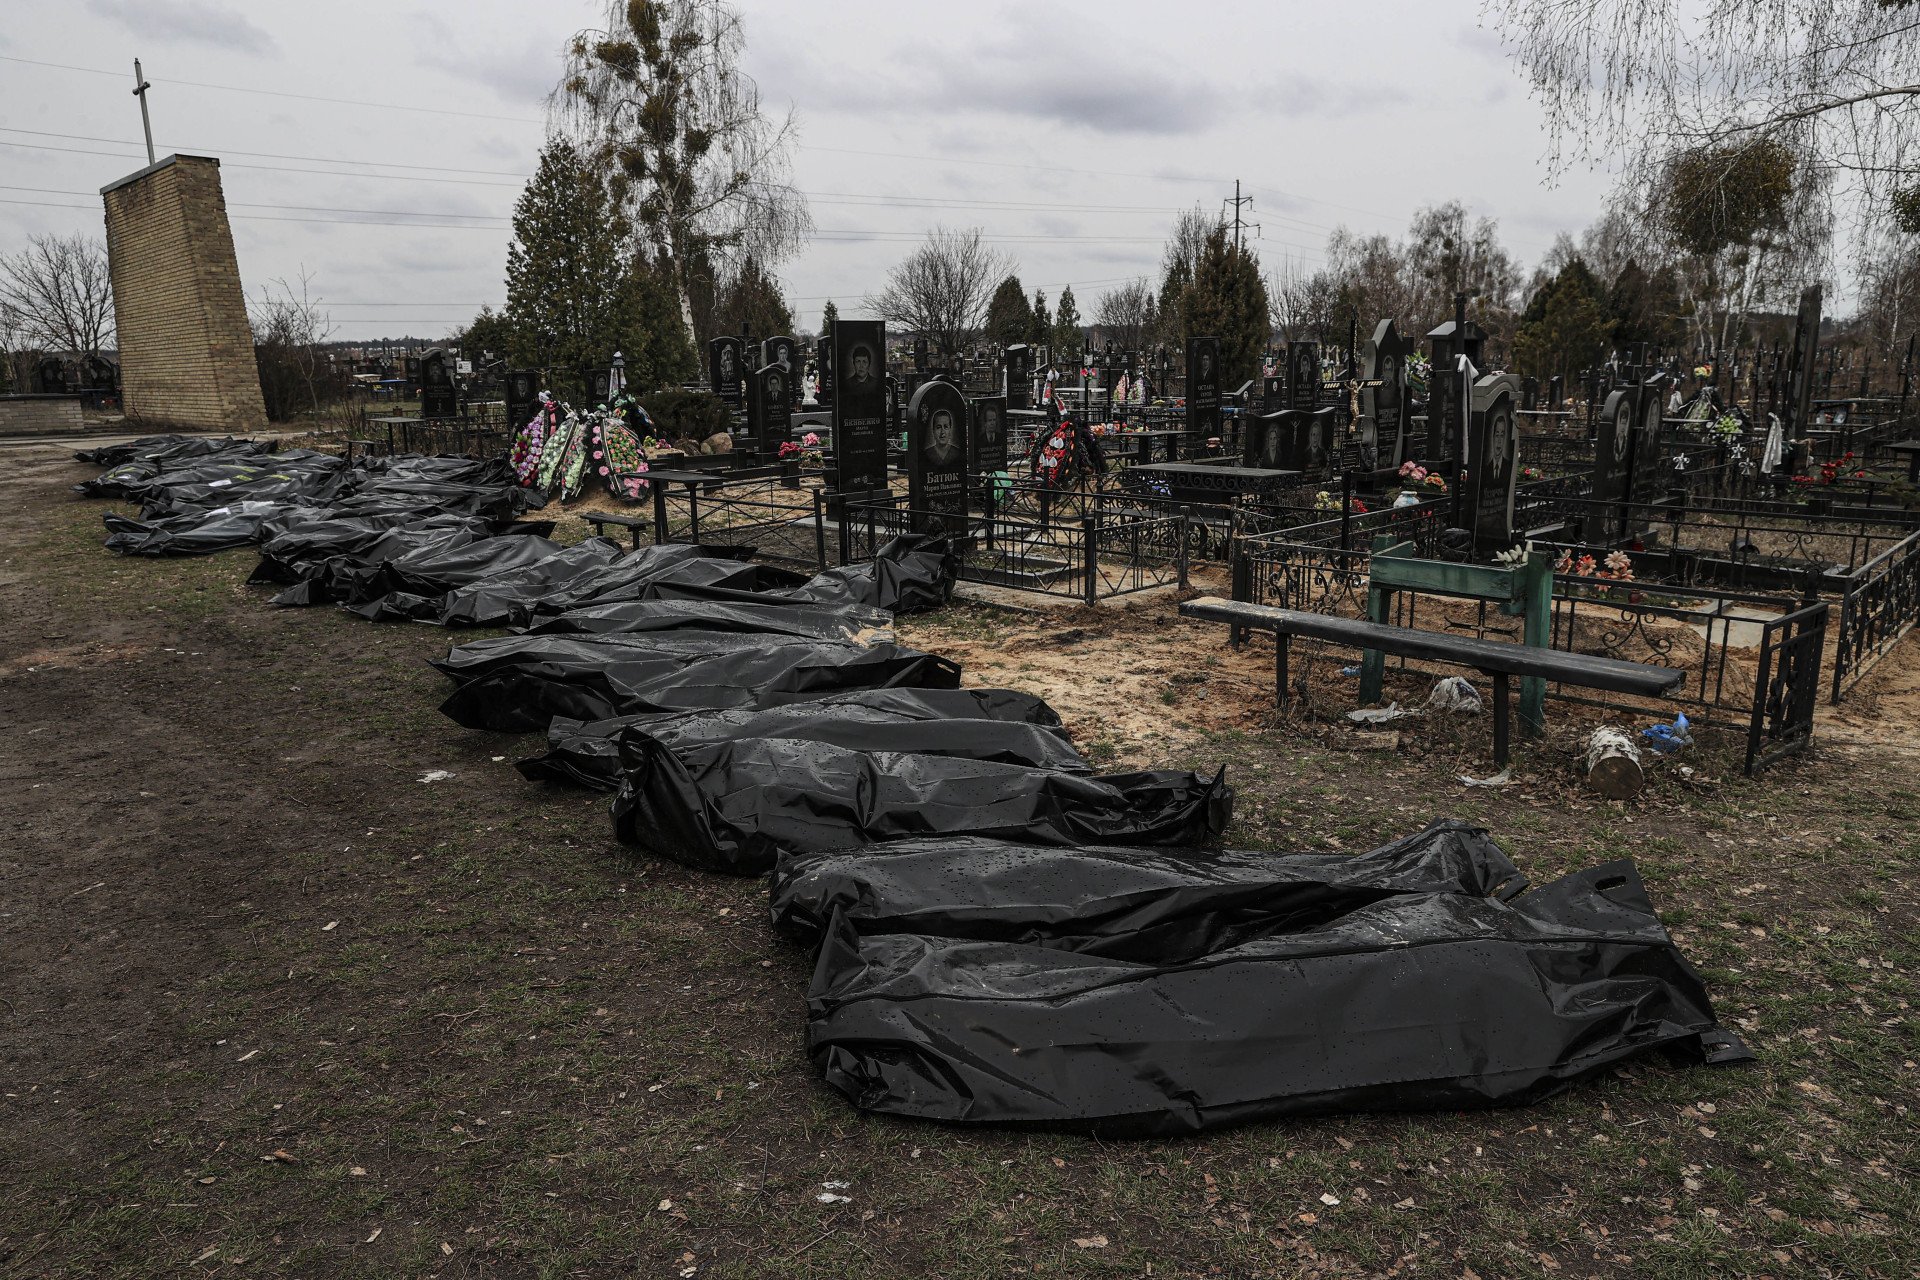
{"x": 1069, "y": 132}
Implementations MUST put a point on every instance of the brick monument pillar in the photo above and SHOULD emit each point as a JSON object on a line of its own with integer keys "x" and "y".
{"x": 186, "y": 350}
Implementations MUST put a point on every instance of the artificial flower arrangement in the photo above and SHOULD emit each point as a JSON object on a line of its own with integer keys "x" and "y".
{"x": 1703, "y": 371}
{"x": 805, "y": 450}
{"x": 1415, "y": 476}
{"x": 1726, "y": 425}
{"x": 1325, "y": 501}
{"x": 1618, "y": 566}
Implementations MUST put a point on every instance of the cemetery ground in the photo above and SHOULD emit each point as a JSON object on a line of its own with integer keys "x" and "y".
{"x": 272, "y": 1004}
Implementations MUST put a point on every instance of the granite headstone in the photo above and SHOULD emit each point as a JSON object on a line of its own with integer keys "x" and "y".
{"x": 860, "y": 418}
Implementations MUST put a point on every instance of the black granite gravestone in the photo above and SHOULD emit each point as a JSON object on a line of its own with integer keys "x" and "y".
{"x": 1203, "y": 391}
{"x": 599, "y": 385}
{"x": 1800, "y": 371}
{"x": 823, "y": 373}
{"x": 860, "y": 418}
{"x": 1303, "y": 375}
{"x": 785, "y": 352}
{"x": 1447, "y": 391}
{"x": 439, "y": 396}
{"x": 1612, "y": 466}
{"x": 1273, "y": 393}
{"x": 987, "y": 435}
{"x": 770, "y": 409}
{"x": 1019, "y": 388}
{"x": 1492, "y": 455}
{"x": 1384, "y": 406}
{"x": 937, "y": 457}
{"x": 1645, "y": 484}
{"x": 523, "y": 397}
{"x": 726, "y": 361}
{"x": 1264, "y": 443}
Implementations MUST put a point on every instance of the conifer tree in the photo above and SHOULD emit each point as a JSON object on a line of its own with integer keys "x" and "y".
{"x": 1009, "y": 318}
{"x": 1067, "y": 337}
{"x": 577, "y": 291}
{"x": 1227, "y": 299}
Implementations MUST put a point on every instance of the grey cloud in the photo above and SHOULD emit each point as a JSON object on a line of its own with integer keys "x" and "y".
{"x": 195, "y": 21}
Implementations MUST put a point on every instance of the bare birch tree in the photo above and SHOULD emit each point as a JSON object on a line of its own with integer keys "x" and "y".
{"x": 1643, "y": 79}
{"x": 656, "y": 96}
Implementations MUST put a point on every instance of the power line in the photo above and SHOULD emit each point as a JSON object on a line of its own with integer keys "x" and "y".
{"x": 269, "y": 168}
{"x": 891, "y": 155}
{"x": 276, "y": 93}
{"x": 272, "y": 155}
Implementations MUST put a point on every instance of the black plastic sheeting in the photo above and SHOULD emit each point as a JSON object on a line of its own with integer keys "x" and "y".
{"x": 1438, "y": 1001}
{"x": 736, "y": 807}
{"x": 518, "y": 684}
{"x": 199, "y": 496}
{"x": 497, "y": 572}
{"x": 198, "y": 534}
{"x": 974, "y": 724}
{"x": 1126, "y": 903}
{"x": 852, "y": 622}
{"x": 1004, "y": 937}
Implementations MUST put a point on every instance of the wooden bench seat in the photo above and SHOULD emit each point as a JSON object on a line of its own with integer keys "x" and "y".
{"x": 1495, "y": 658}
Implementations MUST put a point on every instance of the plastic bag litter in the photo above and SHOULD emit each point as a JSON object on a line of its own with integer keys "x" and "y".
{"x": 1380, "y": 715}
{"x": 1416, "y": 1002}
{"x": 1454, "y": 693}
{"x": 1159, "y": 905}
{"x": 969, "y": 724}
{"x": 1666, "y": 739}
{"x": 737, "y": 806}
{"x": 518, "y": 684}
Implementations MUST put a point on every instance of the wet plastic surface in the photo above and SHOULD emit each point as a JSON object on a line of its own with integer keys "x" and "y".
{"x": 1127, "y": 903}
{"x": 974, "y": 724}
{"x": 738, "y": 806}
{"x": 1417, "y": 1002}
{"x": 857, "y": 623}
{"x": 518, "y": 684}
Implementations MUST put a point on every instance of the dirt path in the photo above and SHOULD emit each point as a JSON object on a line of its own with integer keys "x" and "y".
{"x": 272, "y": 1005}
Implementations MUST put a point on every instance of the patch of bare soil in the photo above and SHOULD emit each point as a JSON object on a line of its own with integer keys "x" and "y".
{"x": 1134, "y": 685}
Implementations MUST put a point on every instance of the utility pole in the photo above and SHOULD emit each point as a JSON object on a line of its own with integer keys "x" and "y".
{"x": 1237, "y": 201}
{"x": 140, "y": 91}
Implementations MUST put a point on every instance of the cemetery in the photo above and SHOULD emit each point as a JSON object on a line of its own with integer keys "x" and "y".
{"x": 1366, "y": 764}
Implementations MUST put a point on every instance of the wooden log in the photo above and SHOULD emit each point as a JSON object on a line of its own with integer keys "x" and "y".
{"x": 1613, "y": 764}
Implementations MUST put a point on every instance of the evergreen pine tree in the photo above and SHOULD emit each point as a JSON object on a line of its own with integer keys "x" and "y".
{"x": 576, "y": 292}
{"x": 1067, "y": 337}
{"x": 1042, "y": 320}
{"x": 752, "y": 302}
{"x": 1228, "y": 299}
{"x": 1009, "y": 318}
{"x": 1173, "y": 292}
{"x": 1565, "y": 327}
{"x": 828, "y": 314}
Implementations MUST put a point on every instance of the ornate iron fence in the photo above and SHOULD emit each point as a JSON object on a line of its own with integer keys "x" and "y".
{"x": 1877, "y": 609}
{"x": 1787, "y": 685}
{"x": 784, "y": 524}
{"x": 1708, "y": 634}
{"x": 1090, "y": 554}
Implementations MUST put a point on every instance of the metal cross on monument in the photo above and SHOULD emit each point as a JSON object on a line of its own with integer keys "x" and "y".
{"x": 140, "y": 91}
